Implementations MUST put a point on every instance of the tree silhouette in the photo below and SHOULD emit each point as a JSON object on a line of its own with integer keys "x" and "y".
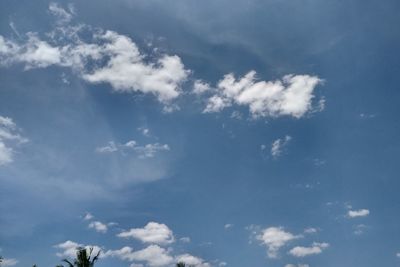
{"x": 83, "y": 259}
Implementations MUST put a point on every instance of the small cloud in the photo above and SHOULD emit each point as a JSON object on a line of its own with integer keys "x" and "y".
{"x": 9, "y": 138}
{"x": 88, "y": 216}
{"x": 360, "y": 229}
{"x": 358, "y": 213}
{"x": 98, "y": 226}
{"x": 62, "y": 14}
{"x": 316, "y": 248}
{"x": 145, "y": 131}
{"x": 278, "y": 145}
{"x": 153, "y": 232}
{"x": 8, "y": 262}
{"x": 110, "y": 148}
{"x": 228, "y": 226}
{"x": 310, "y": 230}
{"x": 274, "y": 238}
{"x": 69, "y": 248}
{"x": 200, "y": 87}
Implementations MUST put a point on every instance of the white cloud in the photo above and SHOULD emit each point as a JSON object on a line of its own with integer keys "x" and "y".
{"x": 278, "y": 145}
{"x": 69, "y": 249}
{"x": 145, "y": 131}
{"x": 110, "y": 58}
{"x": 398, "y": 254}
{"x": 298, "y": 265}
{"x": 98, "y": 226}
{"x": 152, "y": 255}
{"x": 228, "y": 225}
{"x": 190, "y": 260}
{"x": 316, "y": 248}
{"x": 9, "y": 136}
{"x": 310, "y": 230}
{"x": 153, "y": 232}
{"x": 62, "y": 15}
{"x": 200, "y": 87}
{"x": 274, "y": 238}
{"x": 145, "y": 151}
{"x": 290, "y": 96}
{"x": 111, "y": 147}
{"x": 358, "y": 213}
{"x": 88, "y": 216}
{"x": 8, "y": 262}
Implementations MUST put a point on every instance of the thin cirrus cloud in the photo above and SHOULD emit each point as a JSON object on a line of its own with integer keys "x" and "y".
{"x": 145, "y": 151}
{"x": 9, "y": 138}
{"x": 153, "y": 232}
{"x": 315, "y": 249}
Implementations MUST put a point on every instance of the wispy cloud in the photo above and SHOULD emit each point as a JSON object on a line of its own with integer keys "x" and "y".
{"x": 278, "y": 145}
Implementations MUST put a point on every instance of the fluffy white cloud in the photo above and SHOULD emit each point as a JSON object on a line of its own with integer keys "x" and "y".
{"x": 358, "y": 213}
{"x": 200, "y": 87}
{"x": 109, "y": 58}
{"x": 152, "y": 255}
{"x": 153, "y": 232}
{"x": 274, "y": 238}
{"x": 316, "y": 248}
{"x": 9, "y": 136}
{"x": 98, "y": 226}
{"x": 145, "y": 151}
{"x": 298, "y": 265}
{"x": 190, "y": 260}
{"x": 8, "y": 262}
{"x": 290, "y": 96}
{"x": 278, "y": 145}
{"x": 69, "y": 249}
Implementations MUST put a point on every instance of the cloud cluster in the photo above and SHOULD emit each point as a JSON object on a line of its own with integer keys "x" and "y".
{"x": 158, "y": 252}
{"x": 9, "y": 136}
{"x": 145, "y": 151}
{"x": 290, "y": 96}
{"x": 108, "y": 57}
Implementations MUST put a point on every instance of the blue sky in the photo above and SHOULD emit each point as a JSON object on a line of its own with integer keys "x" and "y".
{"x": 220, "y": 133}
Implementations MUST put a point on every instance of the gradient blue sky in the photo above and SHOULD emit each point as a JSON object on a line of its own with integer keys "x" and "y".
{"x": 138, "y": 124}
